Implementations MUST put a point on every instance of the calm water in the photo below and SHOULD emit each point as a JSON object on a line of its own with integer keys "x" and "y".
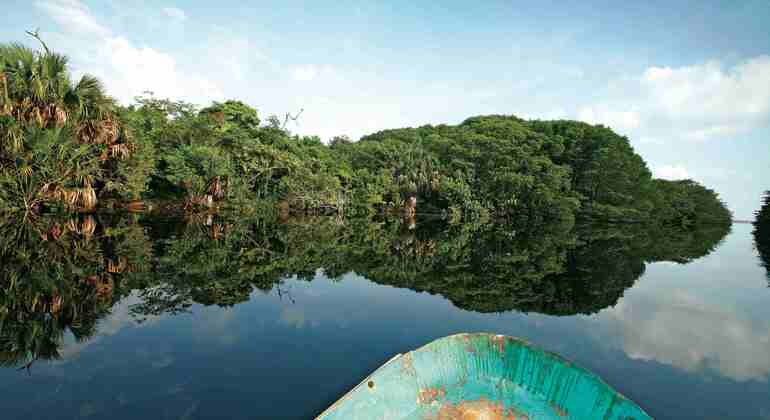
{"x": 686, "y": 339}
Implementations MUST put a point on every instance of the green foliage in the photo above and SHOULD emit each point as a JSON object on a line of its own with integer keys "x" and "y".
{"x": 50, "y": 164}
{"x": 234, "y": 119}
{"x": 194, "y": 166}
{"x": 61, "y": 141}
{"x": 762, "y": 233}
{"x": 687, "y": 203}
{"x": 605, "y": 169}
{"x": 492, "y": 163}
{"x": 500, "y": 167}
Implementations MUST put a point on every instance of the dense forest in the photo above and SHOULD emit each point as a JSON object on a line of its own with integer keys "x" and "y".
{"x": 65, "y": 145}
{"x": 61, "y": 275}
{"x": 762, "y": 233}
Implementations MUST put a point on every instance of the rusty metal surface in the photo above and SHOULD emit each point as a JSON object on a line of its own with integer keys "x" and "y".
{"x": 482, "y": 376}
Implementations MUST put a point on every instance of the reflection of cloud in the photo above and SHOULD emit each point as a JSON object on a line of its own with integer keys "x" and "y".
{"x": 682, "y": 331}
{"x": 119, "y": 318}
{"x": 216, "y": 324}
{"x": 162, "y": 361}
{"x": 293, "y": 316}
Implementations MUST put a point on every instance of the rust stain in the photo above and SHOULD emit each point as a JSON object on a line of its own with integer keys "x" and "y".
{"x": 406, "y": 364}
{"x": 468, "y": 344}
{"x": 477, "y": 410}
{"x": 428, "y": 395}
{"x": 559, "y": 411}
{"x": 500, "y": 341}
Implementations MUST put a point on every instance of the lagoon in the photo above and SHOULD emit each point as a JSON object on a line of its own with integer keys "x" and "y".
{"x": 682, "y": 327}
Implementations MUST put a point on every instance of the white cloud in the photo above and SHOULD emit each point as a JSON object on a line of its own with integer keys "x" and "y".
{"x": 698, "y": 102}
{"x": 175, "y": 13}
{"x": 74, "y": 17}
{"x": 304, "y": 73}
{"x": 671, "y": 172}
{"x": 126, "y": 70}
{"x": 623, "y": 121}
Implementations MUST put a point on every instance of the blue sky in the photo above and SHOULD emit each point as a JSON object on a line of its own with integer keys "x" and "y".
{"x": 688, "y": 82}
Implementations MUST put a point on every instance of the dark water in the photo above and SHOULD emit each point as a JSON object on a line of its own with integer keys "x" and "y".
{"x": 134, "y": 318}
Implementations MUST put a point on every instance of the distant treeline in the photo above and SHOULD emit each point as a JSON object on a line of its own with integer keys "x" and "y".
{"x": 66, "y": 145}
{"x": 762, "y": 233}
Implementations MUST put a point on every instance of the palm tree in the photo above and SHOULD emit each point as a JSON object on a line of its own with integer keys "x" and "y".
{"x": 35, "y": 88}
{"x": 37, "y": 93}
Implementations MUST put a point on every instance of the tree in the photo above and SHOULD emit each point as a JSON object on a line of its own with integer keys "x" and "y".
{"x": 37, "y": 95}
{"x": 762, "y": 233}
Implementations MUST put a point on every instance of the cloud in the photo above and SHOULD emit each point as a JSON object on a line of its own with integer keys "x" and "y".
{"x": 693, "y": 103}
{"x": 73, "y": 16}
{"x": 671, "y": 172}
{"x": 126, "y": 70}
{"x": 624, "y": 121}
{"x": 175, "y": 13}
{"x": 304, "y": 73}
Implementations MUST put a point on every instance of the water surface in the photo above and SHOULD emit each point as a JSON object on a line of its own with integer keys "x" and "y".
{"x": 197, "y": 324}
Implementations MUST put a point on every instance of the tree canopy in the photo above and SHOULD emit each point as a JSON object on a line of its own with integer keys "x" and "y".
{"x": 67, "y": 145}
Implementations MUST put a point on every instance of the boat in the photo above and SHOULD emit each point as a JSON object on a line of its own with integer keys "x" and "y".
{"x": 482, "y": 376}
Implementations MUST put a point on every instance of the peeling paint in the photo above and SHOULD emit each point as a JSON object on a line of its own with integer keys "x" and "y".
{"x": 429, "y": 395}
{"x": 475, "y": 410}
{"x": 482, "y": 376}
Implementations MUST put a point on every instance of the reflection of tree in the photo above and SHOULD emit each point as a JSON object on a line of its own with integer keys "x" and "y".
{"x": 59, "y": 277}
{"x": 684, "y": 246}
{"x": 598, "y": 270}
{"x": 762, "y": 233}
{"x": 220, "y": 262}
{"x": 483, "y": 268}
{"x": 609, "y": 259}
{"x": 555, "y": 269}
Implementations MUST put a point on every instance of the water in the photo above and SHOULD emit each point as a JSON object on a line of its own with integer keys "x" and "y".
{"x": 682, "y": 340}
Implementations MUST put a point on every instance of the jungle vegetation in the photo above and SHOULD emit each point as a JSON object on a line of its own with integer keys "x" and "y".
{"x": 65, "y": 145}
{"x": 762, "y": 233}
{"x": 558, "y": 217}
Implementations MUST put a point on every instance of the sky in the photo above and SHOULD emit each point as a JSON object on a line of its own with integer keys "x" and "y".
{"x": 687, "y": 81}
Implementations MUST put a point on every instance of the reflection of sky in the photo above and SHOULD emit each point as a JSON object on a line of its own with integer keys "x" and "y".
{"x": 690, "y": 334}
{"x": 120, "y": 317}
{"x": 685, "y": 342}
{"x": 708, "y": 316}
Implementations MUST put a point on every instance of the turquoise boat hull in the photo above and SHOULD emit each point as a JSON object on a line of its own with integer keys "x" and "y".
{"x": 482, "y": 376}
